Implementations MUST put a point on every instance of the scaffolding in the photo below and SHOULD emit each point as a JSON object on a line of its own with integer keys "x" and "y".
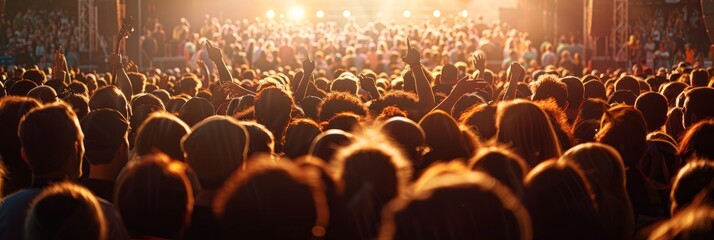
{"x": 87, "y": 19}
{"x": 620, "y": 32}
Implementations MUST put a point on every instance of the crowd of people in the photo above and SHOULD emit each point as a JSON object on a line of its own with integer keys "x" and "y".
{"x": 386, "y": 131}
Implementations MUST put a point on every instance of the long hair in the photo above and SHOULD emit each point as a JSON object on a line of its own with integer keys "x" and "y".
{"x": 526, "y": 128}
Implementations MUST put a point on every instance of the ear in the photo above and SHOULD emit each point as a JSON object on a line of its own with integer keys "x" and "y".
{"x": 23, "y": 154}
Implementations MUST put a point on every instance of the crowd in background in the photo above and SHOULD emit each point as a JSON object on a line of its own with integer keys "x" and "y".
{"x": 276, "y": 130}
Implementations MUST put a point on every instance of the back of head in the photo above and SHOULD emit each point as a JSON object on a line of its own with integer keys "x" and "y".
{"x": 696, "y": 142}
{"x": 628, "y": 83}
{"x": 35, "y": 75}
{"x": 154, "y": 197}
{"x": 548, "y": 86}
{"x": 558, "y": 195}
{"x": 109, "y": 97}
{"x": 161, "y": 132}
{"x": 261, "y": 140}
{"x": 594, "y": 89}
{"x": 65, "y": 211}
{"x": 443, "y": 135}
{"x": 699, "y": 78}
{"x": 624, "y": 128}
{"x": 503, "y": 165}
{"x": 406, "y": 133}
{"x": 52, "y": 142}
{"x": 298, "y": 136}
{"x": 272, "y": 109}
{"x": 195, "y": 110}
{"x": 694, "y": 178}
{"x": 526, "y": 128}
{"x": 21, "y": 88}
{"x": 481, "y": 120}
{"x": 12, "y": 109}
{"x": 671, "y": 90}
{"x": 576, "y": 91}
{"x": 696, "y": 105}
{"x": 654, "y": 109}
{"x": 138, "y": 82}
{"x": 456, "y": 204}
{"x": 338, "y": 102}
{"x": 326, "y": 144}
{"x": 689, "y": 224}
{"x": 216, "y": 147}
{"x": 449, "y": 74}
{"x": 44, "y": 94}
{"x": 105, "y": 130}
{"x": 270, "y": 200}
{"x": 622, "y": 97}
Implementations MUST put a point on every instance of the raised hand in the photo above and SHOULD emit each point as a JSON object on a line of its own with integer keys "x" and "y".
{"x": 214, "y": 53}
{"x": 114, "y": 60}
{"x": 480, "y": 63}
{"x": 132, "y": 67}
{"x": 466, "y": 85}
{"x": 413, "y": 56}
{"x": 232, "y": 89}
{"x": 308, "y": 65}
{"x": 516, "y": 73}
{"x": 369, "y": 85}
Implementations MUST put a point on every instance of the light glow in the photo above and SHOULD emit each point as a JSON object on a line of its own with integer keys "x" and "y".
{"x": 407, "y": 13}
{"x": 346, "y": 13}
{"x": 465, "y": 13}
{"x": 270, "y": 14}
{"x": 296, "y": 13}
{"x": 320, "y": 14}
{"x": 437, "y": 13}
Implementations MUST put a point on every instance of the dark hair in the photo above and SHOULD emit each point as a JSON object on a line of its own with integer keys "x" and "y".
{"x": 444, "y": 137}
{"x": 576, "y": 91}
{"x": 671, "y": 90}
{"x": 327, "y": 143}
{"x": 195, "y": 110}
{"x": 594, "y": 89}
{"x": 464, "y": 103}
{"x": 693, "y": 179}
{"x": 21, "y": 88}
{"x": 109, "y": 97}
{"x": 654, "y": 109}
{"x": 624, "y": 128}
{"x": 216, "y": 147}
{"x": 526, "y": 128}
{"x": 691, "y": 223}
{"x": 481, "y": 119}
{"x": 456, "y": 204}
{"x": 556, "y": 194}
{"x": 696, "y": 105}
{"x": 52, "y": 141}
{"x": 44, "y": 94}
{"x": 291, "y": 207}
{"x": 338, "y": 102}
{"x": 261, "y": 140}
{"x": 154, "y": 197}
{"x": 698, "y": 78}
{"x": 298, "y": 136}
{"x": 675, "y": 123}
{"x": 548, "y": 86}
{"x": 35, "y": 75}
{"x": 161, "y": 132}
{"x": 696, "y": 142}
{"x": 503, "y": 165}
{"x": 272, "y": 109}
{"x": 138, "y": 82}
{"x": 628, "y": 83}
{"x": 105, "y": 130}
{"x": 65, "y": 211}
{"x": 79, "y": 103}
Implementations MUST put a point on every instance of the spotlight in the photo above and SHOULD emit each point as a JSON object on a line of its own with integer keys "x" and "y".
{"x": 437, "y": 13}
{"x": 270, "y": 14}
{"x": 346, "y": 13}
{"x": 465, "y": 13}
{"x": 296, "y": 13}
{"x": 320, "y": 14}
{"x": 407, "y": 13}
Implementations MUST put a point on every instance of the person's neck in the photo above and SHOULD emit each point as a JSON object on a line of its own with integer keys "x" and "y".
{"x": 108, "y": 171}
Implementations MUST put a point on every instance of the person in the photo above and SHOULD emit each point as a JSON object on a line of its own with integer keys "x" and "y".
{"x": 693, "y": 180}
{"x": 695, "y": 107}
{"x": 271, "y": 200}
{"x": 452, "y": 203}
{"x": 503, "y": 165}
{"x": 519, "y": 123}
{"x": 604, "y": 171}
{"x": 161, "y": 132}
{"x": 154, "y": 197}
{"x": 445, "y": 139}
{"x": 107, "y": 149}
{"x": 557, "y": 194}
{"x": 215, "y": 148}
{"x": 65, "y": 211}
{"x": 52, "y": 144}
{"x": 18, "y": 173}
{"x": 654, "y": 109}
{"x": 695, "y": 142}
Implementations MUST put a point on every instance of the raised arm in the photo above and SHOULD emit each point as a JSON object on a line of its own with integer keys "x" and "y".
{"x": 480, "y": 64}
{"x": 516, "y": 73}
{"x": 423, "y": 88}
{"x": 308, "y": 66}
{"x": 461, "y": 88}
{"x": 215, "y": 54}
{"x": 121, "y": 78}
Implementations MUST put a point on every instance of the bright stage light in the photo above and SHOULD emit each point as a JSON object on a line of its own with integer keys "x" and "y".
{"x": 320, "y": 14}
{"x": 270, "y": 14}
{"x": 407, "y": 13}
{"x": 346, "y": 13}
{"x": 465, "y": 13}
{"x": 297, "y": 13}
{"x": 437, "y": 13}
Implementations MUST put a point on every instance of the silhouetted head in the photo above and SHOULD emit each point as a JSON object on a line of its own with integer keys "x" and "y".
{"x": 105, "y": 133}
{"x": 299, "y": 136}
{"x": 696, "y": 142}
{"x": 503, "y": 165}
{"x": 654, "y": 109}
{"x": 623, "y": 128}
{"x": 109, "y": 97}
{"x": 65, "y": 211}
{"x": 694, "y": 179}
{"x": 161, "y": 132}
{"x": 697, "y": 105}
{"x": 326, "y": 144}
{"x": 526, "y": 128}
{"x": 44, "y": 94}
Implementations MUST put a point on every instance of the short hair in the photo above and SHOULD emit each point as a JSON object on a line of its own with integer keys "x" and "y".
{"x": 12, "y": 109}
{"x": 628, "y": 83}
{"x": 35, "y": 75}
{"x": 624, "y": 128}
{"x": 52, "y": 141}
{"x": 109, "y": 97}
{"x": 43, "y": 93}
{"x": 104, "y": 131}
{"x": 698, "y": 78}
{"x": 161, "y": 132}
{"x": 195, "y": 110}
{"x": 344, "y": 85}
{"x": 449, "y": 74}
{"x": 594, "y": 89}
{"x": 79, "y": 103}
{"x": 694, "y": 178}
{"x": 671, "y": 90}
{"x": 693, "y": 222}
{"x": 654, "y": 109}
{"x": 187, "y": 82}
{"x": 216, "y": 147}
{"x": 154, "y": 197}
{"x": 138, "y": 82}
{"x": 503, "y": 165}
{"x": 298, "y": 136}
{"x": 481, "y": 119}
{"x": 548, "y": 86}
{"x": 65, "y": 211}
{"x": 78, "y": 87}
{"x": 456, "y": 204}
{"x": 326, "y": 144}
{"x": 272, "y": 109}
{"x": 261, "y": 139}
{"x": 21, "y": 88}
{"x": 696, "y": 105}
{"x": 338, "y": 102}
{"x": 576, "y": 91}
{"x": 696, "y": 142}
{"x": 290, "y": 206}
